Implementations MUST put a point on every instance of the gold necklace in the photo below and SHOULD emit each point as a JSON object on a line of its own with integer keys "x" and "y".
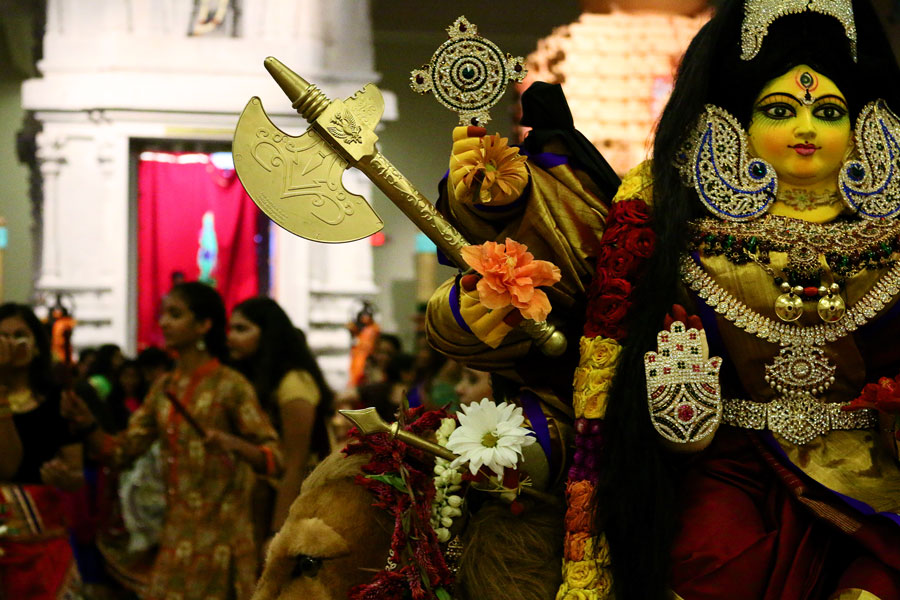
{"x": 805, "y": 200}
{"x": 801, "y": 367}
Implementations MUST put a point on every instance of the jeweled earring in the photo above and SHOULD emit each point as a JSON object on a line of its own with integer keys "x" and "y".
{"x": 714, "y": 160}
{"x": 871, "y": 184}
{"x": 201, "y": 345}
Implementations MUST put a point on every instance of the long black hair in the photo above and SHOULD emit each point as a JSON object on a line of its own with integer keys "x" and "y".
{"x": 282, "y": 348}
{"x": 634, "y": 499}
{"x": 206, "y": 303}
{"x": 40, "y": 371}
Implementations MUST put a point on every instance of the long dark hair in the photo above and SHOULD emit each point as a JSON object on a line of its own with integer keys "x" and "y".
{"x": 634, "y": 500}
{"x": 206, "y": 303}
{"x": 40, "y": 370}
{"x": 282, "y": 348}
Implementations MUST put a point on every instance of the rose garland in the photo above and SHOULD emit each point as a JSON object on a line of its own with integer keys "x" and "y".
{"x": 624, "y": 247}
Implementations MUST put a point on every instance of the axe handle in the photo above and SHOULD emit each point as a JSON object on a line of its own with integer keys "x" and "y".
{"x": 422, "y": 213}
{"x": 415, "y": 206}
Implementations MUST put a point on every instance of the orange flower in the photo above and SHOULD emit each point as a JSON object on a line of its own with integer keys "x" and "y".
{"x": 509, "y": 277}
{"x": 579, "y": 494}
{"x": 575, "y": 545}
{"x": 500, "y": 169}
{"x": 578, "y": 516}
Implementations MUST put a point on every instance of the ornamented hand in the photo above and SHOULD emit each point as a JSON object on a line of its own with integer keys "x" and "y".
{"x": 683, "y": 391}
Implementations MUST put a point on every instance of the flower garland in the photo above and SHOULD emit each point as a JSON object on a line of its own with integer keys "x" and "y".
{"x": 627, "y": 242}
{"x": 399, "y": 478}
{"x": 447, "y": 503}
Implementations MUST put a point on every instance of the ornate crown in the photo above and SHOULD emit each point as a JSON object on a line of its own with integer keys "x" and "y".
{"x": 759, "y": 14}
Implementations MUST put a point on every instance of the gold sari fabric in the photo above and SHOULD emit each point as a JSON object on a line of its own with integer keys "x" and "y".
{"x": 564, "y": 220}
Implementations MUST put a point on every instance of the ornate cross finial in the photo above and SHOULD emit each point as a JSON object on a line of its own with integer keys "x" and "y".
{"x": 468, "y": 73}
{"x": 759, "y": 14}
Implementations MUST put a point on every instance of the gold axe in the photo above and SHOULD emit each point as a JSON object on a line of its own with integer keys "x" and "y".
{"x": 296, "y": 181}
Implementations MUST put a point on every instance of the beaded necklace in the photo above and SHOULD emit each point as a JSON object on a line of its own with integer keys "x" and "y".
{"x": 847, "y": 246}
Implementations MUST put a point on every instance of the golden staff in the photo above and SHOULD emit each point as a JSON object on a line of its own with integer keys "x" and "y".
{"x": 296, "y": 181}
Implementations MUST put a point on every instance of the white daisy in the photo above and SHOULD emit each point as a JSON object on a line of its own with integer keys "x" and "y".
{"x": 489, "y": 435}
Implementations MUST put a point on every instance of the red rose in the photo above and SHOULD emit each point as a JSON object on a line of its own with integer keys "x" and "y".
{"x": 613, "y": 234}
{"x": 619, "y": 262}
{"x": 613, "y": 331}
{"x": 610, "y": 310}
{"x": 640, "y": 242}
{"x": 632, "y": 212}
{"x": 601, "y": 276}
{"x": 616, "y": 287}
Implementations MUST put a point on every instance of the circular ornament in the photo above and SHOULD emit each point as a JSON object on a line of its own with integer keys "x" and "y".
{"x": 789, "y": 305}
{"x": 831, "y": 306}
{"x": 468, "y": 73}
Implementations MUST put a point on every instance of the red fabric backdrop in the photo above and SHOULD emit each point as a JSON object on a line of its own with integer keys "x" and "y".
{"x": 175, "y": 190}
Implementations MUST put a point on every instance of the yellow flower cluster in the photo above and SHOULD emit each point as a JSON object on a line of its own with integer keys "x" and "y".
{"x": 594, "y": 375}
{"x": 637, "y": 184}
{"x": 584, "y": 580}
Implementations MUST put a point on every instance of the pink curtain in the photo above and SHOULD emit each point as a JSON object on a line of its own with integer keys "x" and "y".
{"x": 195, "y": 221}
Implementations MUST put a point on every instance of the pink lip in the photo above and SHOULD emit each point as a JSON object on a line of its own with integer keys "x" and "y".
{"x": 805, "y": 149}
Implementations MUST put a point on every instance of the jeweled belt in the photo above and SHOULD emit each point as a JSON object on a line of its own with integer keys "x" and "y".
{"x": 799, "y": 419}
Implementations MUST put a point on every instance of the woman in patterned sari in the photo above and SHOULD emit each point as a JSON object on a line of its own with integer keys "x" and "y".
{"x": 214, "y": 436}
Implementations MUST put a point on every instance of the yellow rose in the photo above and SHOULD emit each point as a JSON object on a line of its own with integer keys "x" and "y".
{"x": 581, "y": 595}
{"x": 599, "y": 381}
{"x": 581, "y": 376}
{"x": 594, "y": 406}
{"x": 603, "y": 585}
{"x": 580, "y": 574}
{"x": 636, "y": 184}
{"x": 598, "y": 552}
{"x": 605, "y": 352}
{"x": 584, "y": 344}
{"x": 579, "y": 401}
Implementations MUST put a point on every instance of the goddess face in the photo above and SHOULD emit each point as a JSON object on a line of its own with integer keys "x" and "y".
{"x": 801, "y": 126}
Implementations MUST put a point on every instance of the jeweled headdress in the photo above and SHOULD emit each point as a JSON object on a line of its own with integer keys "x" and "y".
{"x": 759, "y": 14}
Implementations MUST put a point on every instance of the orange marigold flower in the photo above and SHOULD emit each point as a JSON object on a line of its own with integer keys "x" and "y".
{"x": 510, "y": 276}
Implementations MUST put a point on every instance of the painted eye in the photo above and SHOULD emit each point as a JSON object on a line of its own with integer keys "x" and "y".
{"x": 830, "y": 112}
{"x": 778, "y": 111}
{"x": 307, "y": 566}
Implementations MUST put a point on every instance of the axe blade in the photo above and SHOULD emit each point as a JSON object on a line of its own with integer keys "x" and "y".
{"x": 296, "y": 181}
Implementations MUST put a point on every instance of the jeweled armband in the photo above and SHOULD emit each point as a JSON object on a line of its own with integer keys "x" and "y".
{"x": 683, "y": 392}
